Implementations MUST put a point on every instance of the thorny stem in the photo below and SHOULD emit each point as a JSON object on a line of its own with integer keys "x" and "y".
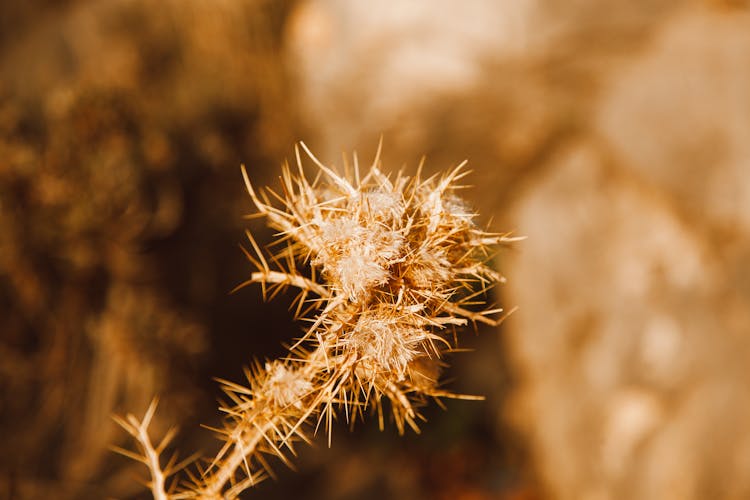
{"x": 397, "y": 264}
{"x": 248, "y": 440}
{"x": 242, "y": 448}
{"x": 157, "y": 476}
{"x": 150, "y": 454}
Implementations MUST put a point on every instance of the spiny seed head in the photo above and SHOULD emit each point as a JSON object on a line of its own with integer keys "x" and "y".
{"x": 384, "y": 344}
{"x": 283, "y": 386}
{"x": 397, "y": 258}
{"x": 356, "y": 255}
{"x": 396, "y": 264}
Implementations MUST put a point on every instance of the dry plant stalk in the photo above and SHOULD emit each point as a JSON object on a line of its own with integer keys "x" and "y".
{"x": 396, "y": 264}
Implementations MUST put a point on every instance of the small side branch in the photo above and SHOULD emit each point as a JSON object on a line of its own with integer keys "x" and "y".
{"x": 480, "y": 317}
{"x": 279, "y": 278}
{"x": 150, "y": 454}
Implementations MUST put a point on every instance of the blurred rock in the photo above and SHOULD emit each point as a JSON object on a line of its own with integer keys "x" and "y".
{"x": 616, "y": 137}
{"x": 677, "y": 115}
{"x": 623, "y": 340}
{"x": 629, "y": 337}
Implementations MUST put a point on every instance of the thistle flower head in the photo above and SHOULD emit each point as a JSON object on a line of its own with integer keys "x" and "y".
{"x": 396, "y": 264}
{"x": 284, "y": 387}
{"x": 397, "y": 261}
{"x": 384, "y": 345}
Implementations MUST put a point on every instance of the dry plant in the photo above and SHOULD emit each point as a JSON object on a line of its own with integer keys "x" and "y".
{"x": 396, "y": 264}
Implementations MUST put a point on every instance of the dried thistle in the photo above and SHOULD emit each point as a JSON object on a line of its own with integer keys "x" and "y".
{"x": 396, "y": 264}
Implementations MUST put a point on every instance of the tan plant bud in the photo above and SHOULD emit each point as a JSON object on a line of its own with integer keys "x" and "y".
{"x": 396, "y": 263}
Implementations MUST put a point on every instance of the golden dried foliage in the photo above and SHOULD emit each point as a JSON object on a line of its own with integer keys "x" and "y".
{"x": 396, "y": 264}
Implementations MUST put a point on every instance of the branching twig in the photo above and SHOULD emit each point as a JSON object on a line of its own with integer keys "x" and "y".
{"x": 397, "y": 263}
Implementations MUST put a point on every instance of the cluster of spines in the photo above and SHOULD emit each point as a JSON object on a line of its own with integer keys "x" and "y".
{"x": 395, "y": 265}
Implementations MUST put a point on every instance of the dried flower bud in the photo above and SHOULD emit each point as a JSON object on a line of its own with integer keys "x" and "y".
{"x": 396, "y": 262}
{"x": 283, "y": 387}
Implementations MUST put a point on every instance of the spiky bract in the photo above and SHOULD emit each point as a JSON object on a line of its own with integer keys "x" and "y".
{"x": 395, "y": 264}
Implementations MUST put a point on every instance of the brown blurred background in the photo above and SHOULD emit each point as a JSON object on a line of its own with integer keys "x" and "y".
{"x": 615, "y": 135}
